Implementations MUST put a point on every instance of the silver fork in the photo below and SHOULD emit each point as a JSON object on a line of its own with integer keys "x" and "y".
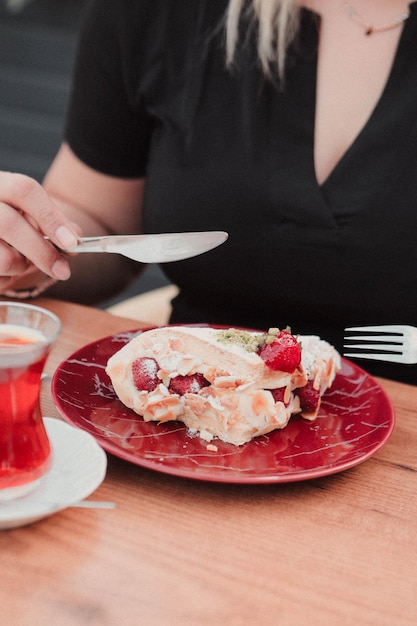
{"x": 393, "y": 342}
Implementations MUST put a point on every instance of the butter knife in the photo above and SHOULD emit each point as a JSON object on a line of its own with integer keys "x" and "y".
{"x": 157, "y": 248}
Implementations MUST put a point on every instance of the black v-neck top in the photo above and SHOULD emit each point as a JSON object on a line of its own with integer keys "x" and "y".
{"x": 232, "y": 151}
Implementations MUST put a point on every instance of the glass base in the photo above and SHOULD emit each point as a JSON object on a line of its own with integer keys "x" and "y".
{"x": 11, "y": 493}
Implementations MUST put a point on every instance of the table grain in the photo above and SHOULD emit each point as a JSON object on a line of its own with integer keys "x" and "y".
{"x": 336, "y": 551}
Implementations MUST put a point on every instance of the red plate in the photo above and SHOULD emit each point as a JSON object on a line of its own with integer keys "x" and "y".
{"x": 355, "y": 420}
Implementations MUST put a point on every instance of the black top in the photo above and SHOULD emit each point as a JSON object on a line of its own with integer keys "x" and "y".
{"x": 231, "y": 151}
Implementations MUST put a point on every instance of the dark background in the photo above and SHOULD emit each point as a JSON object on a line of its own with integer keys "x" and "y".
{"x": 37, "y": 49}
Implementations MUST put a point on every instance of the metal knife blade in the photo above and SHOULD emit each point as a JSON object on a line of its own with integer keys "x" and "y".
{"x": 155, "y": 248}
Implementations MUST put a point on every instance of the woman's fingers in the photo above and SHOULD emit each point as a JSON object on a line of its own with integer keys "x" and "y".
{"x": 11, "y": 262}
{"x": 29, "y": 197}
{"x": 20, "y": 242}
{"x": 27, "y": 214}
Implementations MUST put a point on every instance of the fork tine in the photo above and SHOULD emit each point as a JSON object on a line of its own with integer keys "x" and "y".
{"x": 398, "y": 345}
{"x": 396, "y": 339}
{"x": 377, "y": 347}
{"x": 387, "y": 328}
{"x": 393, "y": 358}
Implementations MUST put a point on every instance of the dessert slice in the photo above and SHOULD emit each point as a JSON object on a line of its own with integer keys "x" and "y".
{"x": 231, "y": 384}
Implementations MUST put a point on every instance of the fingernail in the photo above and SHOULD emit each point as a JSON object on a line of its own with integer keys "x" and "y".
{"x": 66, "y": 238}
{"x": 61, "y": 270}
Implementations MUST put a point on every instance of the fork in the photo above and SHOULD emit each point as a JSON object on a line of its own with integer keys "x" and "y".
{"x": 397, "y": 343}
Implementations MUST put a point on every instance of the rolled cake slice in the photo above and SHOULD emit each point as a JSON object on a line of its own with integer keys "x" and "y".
{"x": 229, "y": 384}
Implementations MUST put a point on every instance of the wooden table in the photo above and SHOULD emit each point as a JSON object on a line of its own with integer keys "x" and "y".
{"x": 333, "y": 551}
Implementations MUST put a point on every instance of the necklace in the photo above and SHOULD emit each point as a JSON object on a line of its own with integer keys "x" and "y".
{"x": 369, "y": 28}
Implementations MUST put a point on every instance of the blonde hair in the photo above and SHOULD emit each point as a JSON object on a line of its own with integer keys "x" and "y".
{"x": 277, "y": 23}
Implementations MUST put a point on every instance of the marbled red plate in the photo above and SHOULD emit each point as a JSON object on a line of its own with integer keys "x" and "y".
{"x": 355, "y": 420}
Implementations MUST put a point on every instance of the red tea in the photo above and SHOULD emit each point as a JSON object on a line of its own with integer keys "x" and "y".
{"x": 24, "y": 445}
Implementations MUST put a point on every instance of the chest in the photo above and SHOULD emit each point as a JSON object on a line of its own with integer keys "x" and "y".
{"x": 353, "y": 70}
{"x": 346, "y": 118}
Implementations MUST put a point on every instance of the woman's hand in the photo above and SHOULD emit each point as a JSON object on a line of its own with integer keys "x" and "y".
{"x": 27, "y": 213}
{"x": 73, "y": 200}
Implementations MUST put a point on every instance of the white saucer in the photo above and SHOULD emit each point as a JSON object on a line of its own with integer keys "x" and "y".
{"x": 78, "y": 468}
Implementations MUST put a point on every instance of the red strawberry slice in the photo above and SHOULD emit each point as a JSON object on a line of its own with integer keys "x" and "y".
{"x": 278, "y": 395}
{"x": 145, "y": 373}
{"x": 188, "y": 384}
{"x": 309, "y": 397}
{"x": 283, "y": 354}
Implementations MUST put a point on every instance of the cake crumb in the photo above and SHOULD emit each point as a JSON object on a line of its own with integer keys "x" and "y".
{"x": 212, "y": 448}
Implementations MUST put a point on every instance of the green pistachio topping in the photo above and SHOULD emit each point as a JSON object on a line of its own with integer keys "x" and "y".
{"x": 246, "y": 340}
{"x": 251, "y": 342}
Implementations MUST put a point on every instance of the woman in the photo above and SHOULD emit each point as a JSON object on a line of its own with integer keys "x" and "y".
{"x": 291, "y": 126}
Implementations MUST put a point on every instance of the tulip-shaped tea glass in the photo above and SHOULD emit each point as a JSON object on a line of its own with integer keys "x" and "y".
{"x": 26, "y": 336}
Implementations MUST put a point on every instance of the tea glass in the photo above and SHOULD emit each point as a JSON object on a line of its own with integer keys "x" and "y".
{"x": 27, "y": 333}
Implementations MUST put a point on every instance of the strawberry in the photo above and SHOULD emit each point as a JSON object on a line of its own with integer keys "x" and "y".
{"x": 145, "y": 373}
{"x": 309, "y": 397}
{"x": 188, "y": 384}
{"x": 278, "y": 395}
{"x": 283, "y": 353}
